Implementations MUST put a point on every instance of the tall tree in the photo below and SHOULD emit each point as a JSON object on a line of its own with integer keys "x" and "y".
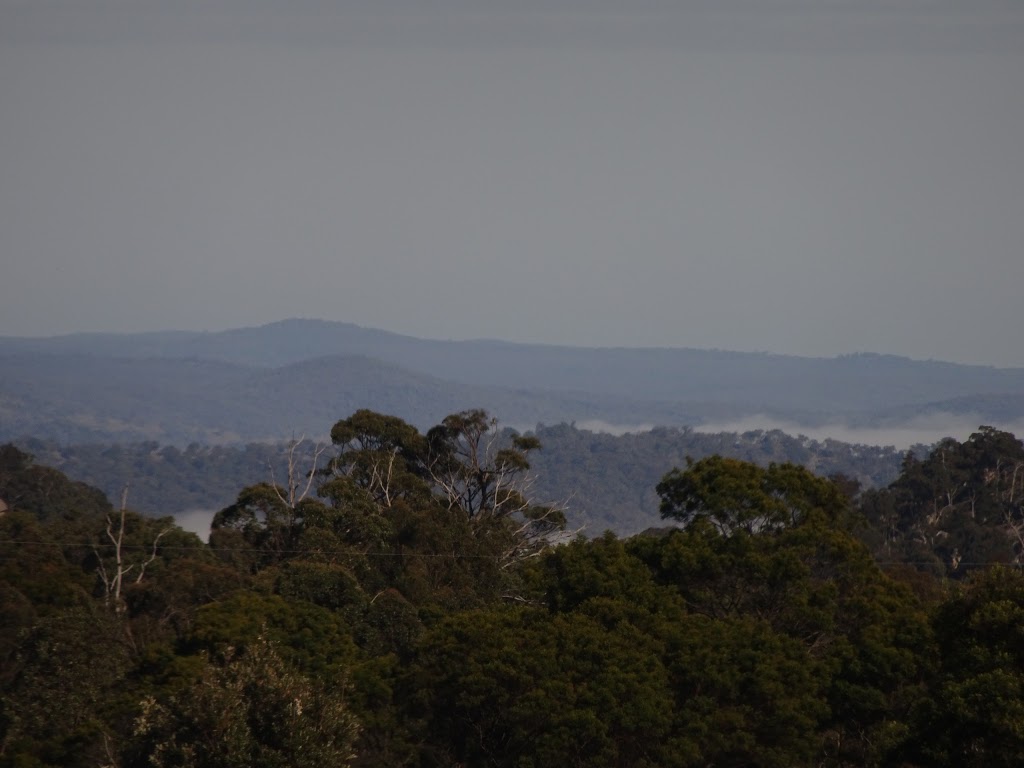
{"x": 483, "y": 473}
{"x": 735, "y": 495}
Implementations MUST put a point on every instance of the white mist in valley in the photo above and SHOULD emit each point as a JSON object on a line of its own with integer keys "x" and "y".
{"x": 926, "y": 430}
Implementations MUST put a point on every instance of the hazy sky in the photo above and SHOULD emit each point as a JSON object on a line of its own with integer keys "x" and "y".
{"x": 800, "y": 177}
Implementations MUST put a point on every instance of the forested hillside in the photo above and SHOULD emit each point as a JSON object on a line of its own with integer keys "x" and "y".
{"x": 605, "y": 482}
{"x": 227, "y": 387}
{"x": 409, "y": 603}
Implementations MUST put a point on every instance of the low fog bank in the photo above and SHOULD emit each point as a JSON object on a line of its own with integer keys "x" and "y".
{"x": 597, "y": 426}
{"x": 618, "y": 430}
{"x": 926, "y": 430}
{"x": 922, "y": 430}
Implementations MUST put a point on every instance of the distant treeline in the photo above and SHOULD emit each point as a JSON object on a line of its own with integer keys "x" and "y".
{"x": 606, "y": 482}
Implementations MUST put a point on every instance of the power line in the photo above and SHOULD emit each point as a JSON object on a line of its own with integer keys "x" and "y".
{"x": 256, "y": 550}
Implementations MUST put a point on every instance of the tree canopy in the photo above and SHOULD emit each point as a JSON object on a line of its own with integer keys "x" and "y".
{"x": 398, "y": 599}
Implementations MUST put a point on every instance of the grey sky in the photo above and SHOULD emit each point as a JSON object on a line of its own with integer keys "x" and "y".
{"x": 800, "y": 177}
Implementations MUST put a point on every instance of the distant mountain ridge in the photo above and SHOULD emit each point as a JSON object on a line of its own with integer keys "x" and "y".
{"x": 268, "y": 381}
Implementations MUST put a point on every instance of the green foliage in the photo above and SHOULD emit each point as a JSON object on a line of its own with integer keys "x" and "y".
{"x": 607, "y": 480}
{"x": 975, "y": 715}
{"x": 481, "y": 472}
{"x": 390, "y": 624}
{"x": 328, "y": 585}
{"x": 442, "y": 557}
{"x": 582, "y": 570}
{"x": 315, "y": 640}
{"x": 36, "y": 579}
{"x": 162, "y": 607}
{"x": 776, "y": 545}
{"x": 249, "y": 711}
{"x": 738, "y": 496}
{"x": 382, "y": 455}
{"x": 68, "y": 690}
{"x": 746, "y": 694}
{"x": 439, "y": 517}
{"x": 265, "y": 522}
{"x": 44, "y": 492}
{"x": 413, "y": 609}
{"x": 960, "y": 508}
{"x": 515, "y": 687}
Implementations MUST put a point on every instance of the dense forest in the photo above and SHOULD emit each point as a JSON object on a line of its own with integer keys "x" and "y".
{"x": 603, "y": 481}
{"x": 400, "y": 598}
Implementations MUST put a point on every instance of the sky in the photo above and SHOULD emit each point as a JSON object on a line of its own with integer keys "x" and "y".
{"x": 809, "y": 178}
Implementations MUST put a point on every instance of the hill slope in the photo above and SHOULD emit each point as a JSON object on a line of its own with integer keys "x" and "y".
{"x": 301, "y": 375}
